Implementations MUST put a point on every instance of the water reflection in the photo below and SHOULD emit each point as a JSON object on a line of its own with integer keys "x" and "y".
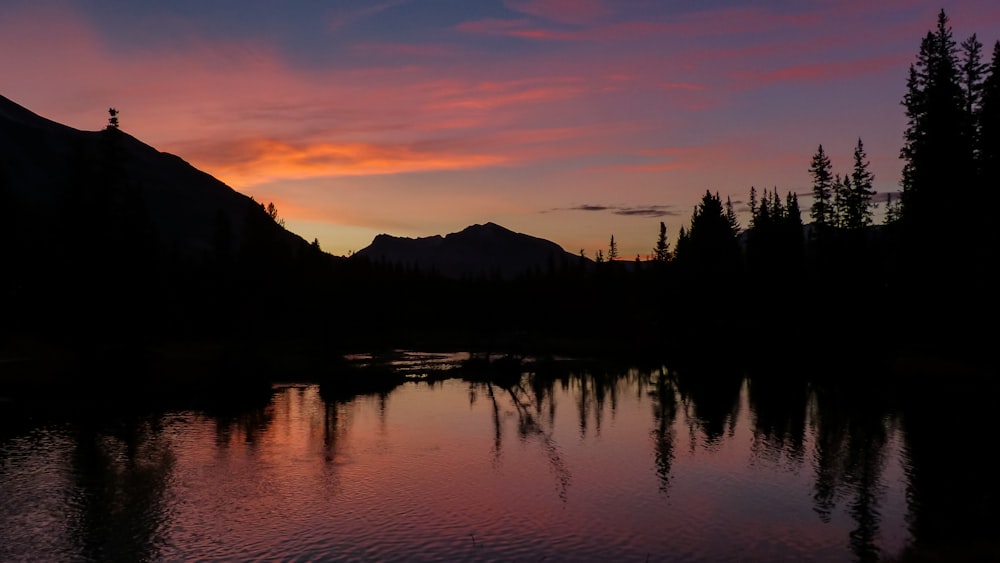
{"x": 117, "y": 504}
{"x": 572, "y": 463}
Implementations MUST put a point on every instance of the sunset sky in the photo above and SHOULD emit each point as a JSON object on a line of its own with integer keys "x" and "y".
{"x": 570, "y": 120}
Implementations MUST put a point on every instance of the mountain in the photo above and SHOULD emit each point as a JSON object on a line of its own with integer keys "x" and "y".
{"x": 106, "y": 241}
{"x": 478, "y": 250}
{"x": 50, "y": 172}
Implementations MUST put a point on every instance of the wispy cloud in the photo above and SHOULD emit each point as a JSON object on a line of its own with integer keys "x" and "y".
{"x": 622, "y": 210}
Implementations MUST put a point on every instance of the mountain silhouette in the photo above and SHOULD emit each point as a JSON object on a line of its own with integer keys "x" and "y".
{"x": 478, "y": 250}
{"x": 46, "y": 166}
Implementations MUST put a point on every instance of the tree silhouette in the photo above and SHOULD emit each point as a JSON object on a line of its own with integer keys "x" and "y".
{"x": 711, "y": 246}
{"x": 937, "y": 150}
{"x": 857, "y": 213}
{"x": 821, "y": 171}
{"x": 612, "y": 250}
{"x": 113, "y": 119}
{"x": 272, "y": 212}
{"x": 661, "y": 252}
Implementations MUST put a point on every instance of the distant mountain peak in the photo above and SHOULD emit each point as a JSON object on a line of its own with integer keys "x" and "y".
{"x": 477, "y": 250}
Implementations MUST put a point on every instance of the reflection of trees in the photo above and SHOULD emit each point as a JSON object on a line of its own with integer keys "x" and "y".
{"x": 664, "y": 413}
{"x": 711, "y": 400}
{"x": 248, "y": 425}
{"x": 779, "y": 409}
{"x": 120, "y": 477}
{"x": 952, "y": 490}
{"x": 851, "y": 433}
{"x": 527, "y": 407}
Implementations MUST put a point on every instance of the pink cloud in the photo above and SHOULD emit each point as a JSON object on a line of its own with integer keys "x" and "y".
{"x": 821, "y": 71}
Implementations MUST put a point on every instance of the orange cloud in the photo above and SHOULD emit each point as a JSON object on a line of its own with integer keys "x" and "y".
{"x": 256, "y": 161}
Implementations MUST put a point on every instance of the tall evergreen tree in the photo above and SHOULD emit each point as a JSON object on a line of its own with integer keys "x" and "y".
{"x": 821, "y": 170}
{"x": 661, "y": 252}
{"x": 612, "y": 250}
{"x": 972, "y": 70}
{"x": 860, "y": 191}
{"x": 711, "y": 246}
{"x": 937, "y": 150}
{"x": 841, "y": 199}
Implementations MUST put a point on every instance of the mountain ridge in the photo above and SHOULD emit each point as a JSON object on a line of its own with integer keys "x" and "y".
{"x": 485, "y": 249}
{"x": 44, "y": 164}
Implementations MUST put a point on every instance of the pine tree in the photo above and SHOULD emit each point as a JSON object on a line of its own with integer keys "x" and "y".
{"x": 661, "y": 252}
{"x": 860, "y": 192}
{"x": 731, "y": 220}
{"x": 893, "y": 210}
{"x": 612, "y": 250}
{"x": 972, "y": 69}
{"x": 821, "y": 171}
{"x": 711, "y": 247}
{"x": 938, "y": 149}
{"x": 841, "y": 200}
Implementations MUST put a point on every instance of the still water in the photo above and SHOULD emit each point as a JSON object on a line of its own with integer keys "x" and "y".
{"x": 640, "y": 465}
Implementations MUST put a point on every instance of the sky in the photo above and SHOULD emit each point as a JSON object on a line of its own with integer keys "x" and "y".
{"x": 570, "y": 120}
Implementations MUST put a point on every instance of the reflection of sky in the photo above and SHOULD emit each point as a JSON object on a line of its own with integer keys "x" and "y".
{"x": 420, "y": 117}
{"x": 418, "y": 474}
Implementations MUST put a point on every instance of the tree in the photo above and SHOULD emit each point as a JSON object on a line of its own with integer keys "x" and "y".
{"x": 938, "y": 148}
{"x": 272, "y": 212}
{"x": 711, "y": 246}
{"x": 893, "y": 210}
{"x": 860, "y": 191}
{"x": 821, "y": 171}
{"x": 841, "y": 197}
{"x": 113, "y": 119}
{"x": 731, "y": 220}
{"x": 972, "y": 69}
{"x": 774, "y": 242}
{"x": 661, "y": 252}
{"x": 612, "y": 250}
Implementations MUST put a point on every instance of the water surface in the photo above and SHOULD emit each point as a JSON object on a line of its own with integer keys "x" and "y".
{"x": 628, "y": 465}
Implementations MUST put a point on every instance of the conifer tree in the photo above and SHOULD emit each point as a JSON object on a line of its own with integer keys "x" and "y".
{"x": 821, "y": 171}
{"x": 841, "y": 197}
{"x": 859, "y": 208}
{"x": 661, "y": 252}
{"x": 972, "y": 69}
{"x": 711, "y": 247}
{"x": 937, "y": 150}
{"x": 612, "y": 250}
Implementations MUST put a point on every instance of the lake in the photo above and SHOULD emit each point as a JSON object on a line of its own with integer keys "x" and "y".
{"x": 623, "y": 464}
